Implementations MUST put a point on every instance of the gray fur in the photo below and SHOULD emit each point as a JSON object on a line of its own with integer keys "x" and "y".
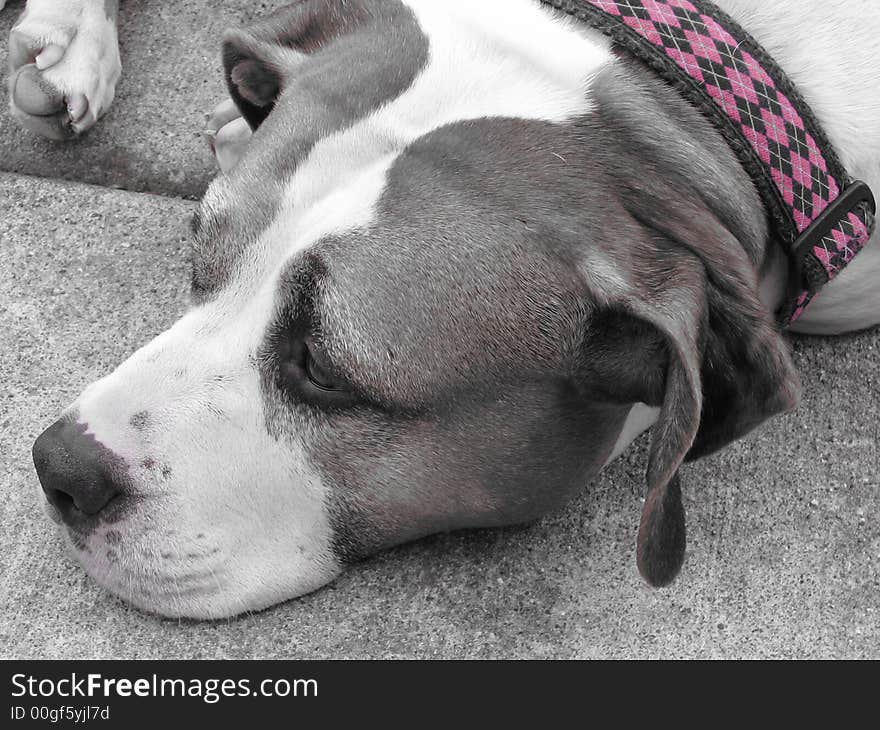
{"x": 471, "y": 310}
{"x": 521, "y": 284}
{"x": 369, "y": 53}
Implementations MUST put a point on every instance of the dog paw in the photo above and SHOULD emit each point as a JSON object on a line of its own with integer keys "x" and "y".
{"x": 227, "y": 133}
{"x": 64, "y": 66}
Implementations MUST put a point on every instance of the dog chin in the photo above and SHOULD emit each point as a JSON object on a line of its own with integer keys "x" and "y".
{"x": 201, "y": 584}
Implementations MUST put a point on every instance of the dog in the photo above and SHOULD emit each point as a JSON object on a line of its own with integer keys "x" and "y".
{"x": 459, "y": 256}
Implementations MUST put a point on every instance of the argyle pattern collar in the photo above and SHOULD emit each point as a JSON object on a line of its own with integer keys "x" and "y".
{"x": 822, "y": 216}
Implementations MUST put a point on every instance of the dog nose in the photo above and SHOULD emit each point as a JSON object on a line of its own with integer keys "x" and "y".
{"x": 76, "y": 472}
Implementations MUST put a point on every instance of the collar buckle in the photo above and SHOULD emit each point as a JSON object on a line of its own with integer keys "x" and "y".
{"x": 808, "y": 271}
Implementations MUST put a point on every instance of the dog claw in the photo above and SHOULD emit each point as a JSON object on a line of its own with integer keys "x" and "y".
{"x": 49, "y": 56}
{"x": 77, "y": 107}
{"x": 229, "y": 143}
{"x": 224, "y": 113}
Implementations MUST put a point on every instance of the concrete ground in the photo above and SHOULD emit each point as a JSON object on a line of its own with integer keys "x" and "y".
{"x": 150, "y": 141}
{"x": 784, "y": 526}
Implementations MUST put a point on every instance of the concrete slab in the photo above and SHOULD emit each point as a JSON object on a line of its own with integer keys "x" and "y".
{"x": 150, "y": 140}
{"x": 784, "y": 527}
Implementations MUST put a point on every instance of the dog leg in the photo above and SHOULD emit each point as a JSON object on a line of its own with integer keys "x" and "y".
{"x": 63, "y": 65}
{"x": 228, "y": 134}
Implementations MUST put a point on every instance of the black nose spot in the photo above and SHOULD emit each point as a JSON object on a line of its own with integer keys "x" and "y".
{"x": 79, "y": 475}
{"x": 140, "y": 421}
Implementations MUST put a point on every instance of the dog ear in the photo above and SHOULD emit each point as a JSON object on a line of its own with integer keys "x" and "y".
{"x": 640, "y": 351}
{"x": 687, "y": 333}
{"x": 345, "y": 57}
{"x": 256, "y": 69}
{"x": 260, "y": 60}
{"x": 662, "y": 534}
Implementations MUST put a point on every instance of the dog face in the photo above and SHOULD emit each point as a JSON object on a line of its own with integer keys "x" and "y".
{"x": 419, "y": 304}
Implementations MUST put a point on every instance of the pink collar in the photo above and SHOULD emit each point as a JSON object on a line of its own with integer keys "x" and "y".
{"x": 822, "y": 216}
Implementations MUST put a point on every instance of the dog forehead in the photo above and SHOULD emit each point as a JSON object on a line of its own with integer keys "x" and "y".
{"x": 459, "y": 262}
{"x": 314, "y": 171}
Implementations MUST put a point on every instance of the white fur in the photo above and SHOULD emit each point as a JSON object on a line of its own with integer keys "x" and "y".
{"x": 830, "y": 49}
{"x": 259, "y": 503}
{"x": 254, "y": 500}
{"x": 478, "y": 68}
{"x": 487, "y": 59}
{"x": 517, "y": 45}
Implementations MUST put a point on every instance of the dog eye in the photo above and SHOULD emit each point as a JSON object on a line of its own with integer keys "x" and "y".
{"x": 317, "y": 371}
{"x": 306, "y": 375}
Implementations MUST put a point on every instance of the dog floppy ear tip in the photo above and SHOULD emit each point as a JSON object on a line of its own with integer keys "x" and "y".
{"x": 662, "y": 535}
{"x": 659, "y": 575}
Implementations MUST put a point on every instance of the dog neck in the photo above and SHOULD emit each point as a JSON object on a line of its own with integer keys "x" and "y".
{"x": 645, "y": 126}
{"x": 661, "y": 135}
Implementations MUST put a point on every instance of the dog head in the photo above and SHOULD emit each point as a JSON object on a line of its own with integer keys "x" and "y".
{"x": 426, "y": 298}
